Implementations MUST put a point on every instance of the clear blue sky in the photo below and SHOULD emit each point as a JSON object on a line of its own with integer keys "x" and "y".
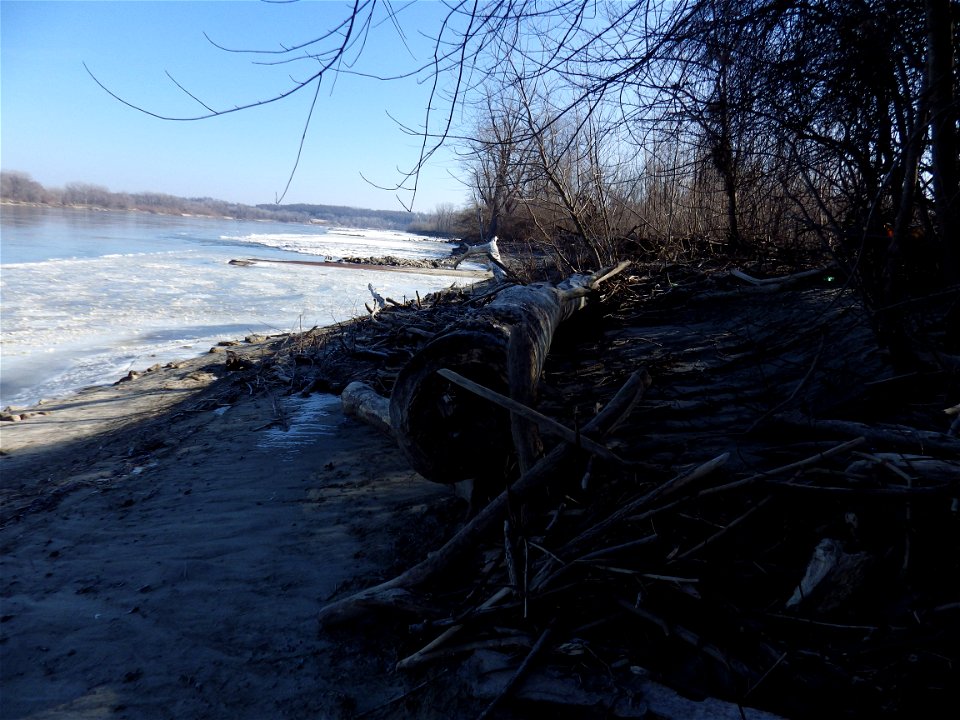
{"x": 57, "y": 125}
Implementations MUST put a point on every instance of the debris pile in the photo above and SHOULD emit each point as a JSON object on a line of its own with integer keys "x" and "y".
{"x": 748, "y": 506}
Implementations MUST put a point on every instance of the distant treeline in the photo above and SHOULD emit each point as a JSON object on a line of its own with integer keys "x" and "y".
{"x": 355, "y": 217}
{"x": 19, "y": 187}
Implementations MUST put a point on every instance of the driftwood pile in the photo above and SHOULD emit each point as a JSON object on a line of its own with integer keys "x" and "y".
{"x": 730, "y": 494}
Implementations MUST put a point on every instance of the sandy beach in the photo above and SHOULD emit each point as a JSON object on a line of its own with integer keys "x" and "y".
{"x": 162, "y": 557}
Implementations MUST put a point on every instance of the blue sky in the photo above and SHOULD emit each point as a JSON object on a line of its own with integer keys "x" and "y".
{"x": 57, "y": 125}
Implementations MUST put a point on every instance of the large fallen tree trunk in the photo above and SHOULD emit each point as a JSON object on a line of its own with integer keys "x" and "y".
{"x": 449, "y": 434}
{"x": 395, "y": 591}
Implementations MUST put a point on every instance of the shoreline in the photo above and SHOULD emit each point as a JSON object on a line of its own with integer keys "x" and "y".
{"x": 162, "y": 550}
{"x": 175, "y": 556}
{"x": 415, "y": 270}
{"x": 148, "y": 391}
{"x": 80, "y": 343}
{"x": 12, "y": 410}
{"x": 11, "y": 414}
{"x": 283, "y": 215}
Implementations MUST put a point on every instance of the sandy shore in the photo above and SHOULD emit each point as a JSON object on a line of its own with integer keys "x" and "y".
{"x": 166, "y": 543}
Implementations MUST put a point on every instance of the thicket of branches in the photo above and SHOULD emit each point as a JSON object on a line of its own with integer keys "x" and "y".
{"x": 744, "y": 127}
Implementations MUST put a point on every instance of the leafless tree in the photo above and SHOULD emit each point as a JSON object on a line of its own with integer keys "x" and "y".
{"x": 445, "y": 215}
{"x": 497, "y": 162}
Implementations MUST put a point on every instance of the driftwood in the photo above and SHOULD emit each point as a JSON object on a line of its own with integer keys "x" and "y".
{"x": 953, "y": 412}
{"x": 899, "y": 437}
{"x": 450, "y": 435}
{"x": 635, "y": 695}
{"x": 532, "y": 480}
{"x": 782, "y": 282}
{"x": 776, "y": 526}
{"x": 364, "y": 403}
{"x": 907, "y": 467}
{"x": 548, "y": 425}
{"x": 379, "y": 303}
{"x": 488, "y": 251}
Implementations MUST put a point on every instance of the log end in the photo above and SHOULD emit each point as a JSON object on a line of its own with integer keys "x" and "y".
{"x": 447, "y": 433}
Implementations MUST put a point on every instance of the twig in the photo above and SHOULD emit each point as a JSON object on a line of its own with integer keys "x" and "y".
{"x": 401, "y": 697}
{"x": 894, "y": 436}
{"x": 427, "y": 650}
{"x": 509, "y": 559}
{"x": 621, "y": 404}
{"x": 669, "y": 578}
{"x": 543, "y": 422}
{"x": 547, "y": 575}
{"x": 690, "y": 638}
{"x": 764, "y": 676}
{"x": 658, "y": 493}
{"x": 821, "y": 623}
{"x": 842, "y": 447}
{"x": 519, "y": 674}
{"x": 423, "y": 657}
{"x": 720, "y": 533}
{"x": 897, "y": 493}
{"x": 617, "y": 548}
{"x": 803, "y": 381}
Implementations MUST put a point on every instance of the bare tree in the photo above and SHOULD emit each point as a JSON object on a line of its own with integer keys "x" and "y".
{"x": 497, "y": 161}
{"x": 20, "y": 187}
{"x": 941, "y": 26}
{"x": 444, "y": 216}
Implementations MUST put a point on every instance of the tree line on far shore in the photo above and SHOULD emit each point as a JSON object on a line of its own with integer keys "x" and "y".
{"x": 19, "y": 187}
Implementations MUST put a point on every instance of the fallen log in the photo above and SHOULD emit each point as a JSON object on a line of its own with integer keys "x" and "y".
{"x": 449, "y": 434}
{"x": 364, "y": 403}
{"x": 782, "y": 282}
{"x": 537, "y": 477}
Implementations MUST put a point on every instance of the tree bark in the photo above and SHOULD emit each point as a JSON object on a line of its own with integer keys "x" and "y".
{"x": 449, "y": 434}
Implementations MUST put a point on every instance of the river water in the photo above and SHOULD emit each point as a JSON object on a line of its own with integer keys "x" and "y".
{"x": 86, "y": 296}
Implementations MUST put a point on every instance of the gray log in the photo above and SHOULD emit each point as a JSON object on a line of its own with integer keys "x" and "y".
{"x": 449, "y": 434}
{"x": 362, "y": 402}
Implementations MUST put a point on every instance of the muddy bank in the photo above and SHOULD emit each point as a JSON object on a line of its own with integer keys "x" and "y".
{"x": 166, "y": 543}
{"x": 165, "y": 555}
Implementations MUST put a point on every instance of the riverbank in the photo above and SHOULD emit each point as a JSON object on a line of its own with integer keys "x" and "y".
{"x": 92, "y": 295}
{"x": 26, "y": 192}
{"x": 168, "y": 540}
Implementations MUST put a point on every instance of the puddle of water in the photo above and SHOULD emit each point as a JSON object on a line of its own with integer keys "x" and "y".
{"x": 308, "y": 418}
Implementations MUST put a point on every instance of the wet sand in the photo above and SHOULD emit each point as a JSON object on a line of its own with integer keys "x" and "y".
{"x": 164, "y": 551}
